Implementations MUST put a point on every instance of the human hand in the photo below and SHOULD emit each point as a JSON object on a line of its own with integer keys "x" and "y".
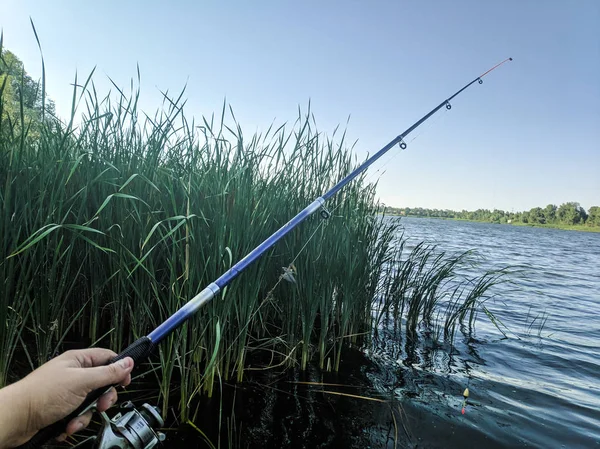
{"x": 56, "y": 389}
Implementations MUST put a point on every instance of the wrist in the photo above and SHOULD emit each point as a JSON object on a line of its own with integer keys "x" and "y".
{"x": 15, "y": 416}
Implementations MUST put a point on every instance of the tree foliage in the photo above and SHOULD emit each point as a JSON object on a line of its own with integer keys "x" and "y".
{"x": 593, "y": 216}
{"x": 570, "y": 213}
{"x": 23, "y": 107}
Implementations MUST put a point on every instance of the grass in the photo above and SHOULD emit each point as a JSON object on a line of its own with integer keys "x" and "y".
{"x": 565, "y": 227}
{"x": 111, "y": 225}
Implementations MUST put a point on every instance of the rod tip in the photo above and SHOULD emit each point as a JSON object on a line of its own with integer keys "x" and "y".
{"x": 510, "y": 59}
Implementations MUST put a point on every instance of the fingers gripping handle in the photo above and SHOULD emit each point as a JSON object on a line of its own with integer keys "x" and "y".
{"x": 138, "y": 351}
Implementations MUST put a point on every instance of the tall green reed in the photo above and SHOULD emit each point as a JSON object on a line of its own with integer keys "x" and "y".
{"x": 429, "y": 289}
{"x": 110, "y": 225}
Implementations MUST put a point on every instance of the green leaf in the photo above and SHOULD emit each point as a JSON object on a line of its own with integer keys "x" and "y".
{"x": 110, "y": 197}
{"x": 217, "y": 342}
{"x": 35, "y": 239}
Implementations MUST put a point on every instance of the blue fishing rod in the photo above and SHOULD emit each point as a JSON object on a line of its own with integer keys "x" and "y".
{"x": 144, "y": 347}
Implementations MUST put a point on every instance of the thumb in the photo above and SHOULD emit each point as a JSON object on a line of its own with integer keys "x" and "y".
{"x": 105, "y": 376}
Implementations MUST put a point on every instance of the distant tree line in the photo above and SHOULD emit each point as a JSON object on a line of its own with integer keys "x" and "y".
{"x": 566, "y": 214}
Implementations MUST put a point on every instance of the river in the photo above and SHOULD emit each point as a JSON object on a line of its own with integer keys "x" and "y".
{"x": 541, "y": 386}
{"x": 538, "y": 386}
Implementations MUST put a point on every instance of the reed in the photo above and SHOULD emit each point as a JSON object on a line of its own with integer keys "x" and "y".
{"x": 433, "y": 291}
{"x": 110, "y": 225}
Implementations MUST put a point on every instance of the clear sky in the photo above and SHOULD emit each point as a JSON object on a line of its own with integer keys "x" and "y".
{"x": 529, "y": 136}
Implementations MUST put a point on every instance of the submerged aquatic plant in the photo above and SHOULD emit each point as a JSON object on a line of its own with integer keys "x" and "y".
{"x": 430, "y": 288}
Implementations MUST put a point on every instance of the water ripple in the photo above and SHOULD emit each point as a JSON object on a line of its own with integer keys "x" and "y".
{"x": 542, "y": 389}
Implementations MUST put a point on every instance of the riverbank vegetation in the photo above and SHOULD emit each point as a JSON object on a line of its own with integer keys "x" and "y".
{"x": 566, "y": 216}
{"x": 109, "y": 226}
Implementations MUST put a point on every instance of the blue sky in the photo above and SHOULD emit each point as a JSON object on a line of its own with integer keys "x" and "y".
{"x": 529, "y": 136}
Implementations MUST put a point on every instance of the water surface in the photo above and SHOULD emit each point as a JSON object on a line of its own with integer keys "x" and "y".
{"x": 541, "y": 386}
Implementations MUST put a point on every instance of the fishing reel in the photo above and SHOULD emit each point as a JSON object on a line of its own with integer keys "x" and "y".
{"x": 135, "y": 429}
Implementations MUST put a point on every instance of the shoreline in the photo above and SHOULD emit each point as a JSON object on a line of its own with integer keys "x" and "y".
{"x": 580, "y": 228}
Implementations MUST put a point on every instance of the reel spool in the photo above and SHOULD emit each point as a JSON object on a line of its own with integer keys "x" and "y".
{"x": 136, "y": 429}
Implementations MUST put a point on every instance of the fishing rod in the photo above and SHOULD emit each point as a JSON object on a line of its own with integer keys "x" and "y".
{"x": 144, "y": 347}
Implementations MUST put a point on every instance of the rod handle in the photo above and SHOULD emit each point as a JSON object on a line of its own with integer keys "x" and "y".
{"x": 138, "y": 351}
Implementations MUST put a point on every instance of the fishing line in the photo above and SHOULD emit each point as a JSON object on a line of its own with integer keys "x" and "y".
{"x": 290, "y": 270}
{"x": 396, "y": 154}
{"x": 288, "y": 274}
{"x": 430, "y": 126}
{"x": 143, "y": 347}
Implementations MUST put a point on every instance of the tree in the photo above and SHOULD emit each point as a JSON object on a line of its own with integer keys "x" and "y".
{"x": 497, "y": 216}
{"x": 18, "y": 89}
{"x": 550, "y": 213}
{"x": 536, "y": 215}
{"x": 571, "y": 213}
{"x": 593, "y": 216}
